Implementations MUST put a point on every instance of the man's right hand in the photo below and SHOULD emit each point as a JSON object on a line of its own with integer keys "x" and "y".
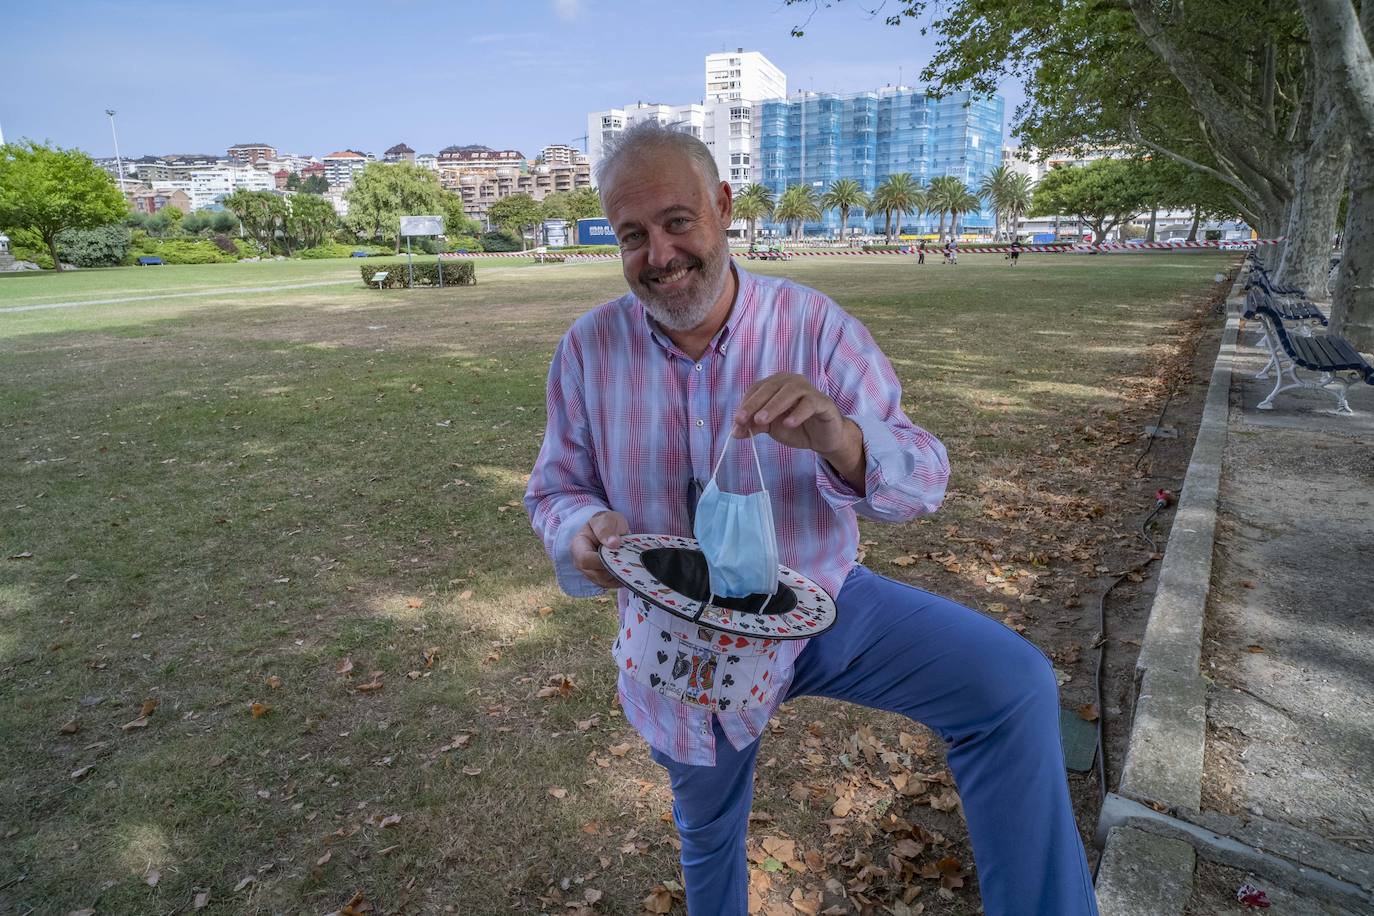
{"x": 603, "y": 528}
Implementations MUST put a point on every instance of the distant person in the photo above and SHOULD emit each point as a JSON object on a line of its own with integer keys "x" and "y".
{"x": 1015, "y": 251}
{"x": 644, "y": 394}
{"x": 921, "y": 252}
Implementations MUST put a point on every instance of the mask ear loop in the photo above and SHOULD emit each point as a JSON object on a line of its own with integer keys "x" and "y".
{"x": 763, "y": 485}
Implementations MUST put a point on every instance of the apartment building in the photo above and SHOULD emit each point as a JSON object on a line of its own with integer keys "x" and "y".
{"x": 341, "y": 166}
{"x": 399, "y": 153}
{"x": 252, "y": 152}
{"x": 815, "y": 138}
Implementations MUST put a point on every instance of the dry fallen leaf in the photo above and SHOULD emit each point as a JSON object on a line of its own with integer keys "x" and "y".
{"x": 903, "y": 561}
{"x": 545, "y": 611}
{"x": 660, "y": 900}
{"x": 415, "y": 602}
{"x": 558, "y": 792}
{"x": 619, "y": 750}
{"x": 152, "y": 876}
{"x": 274, "y": 682}
{"x": 1254, "y": 649}
{"x": 1088, "y": 712}
{"x": 345, "y": 666}
{"x": 323, "y": 860}
{"x": 82, "y": 771}
{"x": 148, "y": 707}
{"x": 201, "y": 900}
{"x": 140, "y": 722}
{"x": 374, "y": 684}
{"x": 71, "y": 728}
{"x": 259, "y": 710}
{"x": 429, "y": 655}
{"x": 244, "y": 882}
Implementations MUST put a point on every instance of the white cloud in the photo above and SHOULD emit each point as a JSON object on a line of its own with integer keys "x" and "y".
{"x": 567, "y": 9}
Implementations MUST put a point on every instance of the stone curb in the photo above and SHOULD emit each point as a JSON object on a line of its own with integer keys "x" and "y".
{"x": 1163, "y": 766}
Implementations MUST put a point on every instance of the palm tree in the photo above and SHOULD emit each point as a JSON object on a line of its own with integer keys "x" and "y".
{"x": 753, "y": 203}
{"x": 1018, "y": 200}
{"x": 844, "y": 195}
{"x": 942, "y": 193}
{"x": 897, "y": 194}
{"x": 797, "y": 205}
{"x": 995, "y": 187}
{"x": 961, "y": 202}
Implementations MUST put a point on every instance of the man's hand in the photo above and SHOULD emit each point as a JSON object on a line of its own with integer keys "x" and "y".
{"x": 789, "y": 408}
{"x": 603, "y": 528}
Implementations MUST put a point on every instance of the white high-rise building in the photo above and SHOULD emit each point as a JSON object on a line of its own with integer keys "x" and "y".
{"x": 723, "y": 121}
{"x": 740, "y": 75}
{"x": 602, "y": 126}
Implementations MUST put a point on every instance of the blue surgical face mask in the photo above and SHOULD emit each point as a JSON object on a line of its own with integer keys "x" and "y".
{"x": 736, "y": 535}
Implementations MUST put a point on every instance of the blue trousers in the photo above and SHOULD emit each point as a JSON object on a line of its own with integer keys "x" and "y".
{"x": 989, "y": 693}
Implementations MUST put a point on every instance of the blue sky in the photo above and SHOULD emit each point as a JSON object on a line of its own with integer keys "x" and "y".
{"x": 312, "y": 76}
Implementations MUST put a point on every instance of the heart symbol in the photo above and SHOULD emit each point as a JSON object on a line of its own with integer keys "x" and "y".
{"x": 741, "y": 642}
{"x": 725, "y": 640}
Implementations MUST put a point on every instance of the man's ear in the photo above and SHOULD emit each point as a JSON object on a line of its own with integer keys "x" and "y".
{"x": 725, "y": 204}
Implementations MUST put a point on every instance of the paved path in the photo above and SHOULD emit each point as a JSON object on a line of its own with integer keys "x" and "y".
{"x": 217, "y": 291}
{"x": 1275, "y": 727}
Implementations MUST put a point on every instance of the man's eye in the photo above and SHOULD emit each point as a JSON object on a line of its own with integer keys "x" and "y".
{"x": 631, "y": 239}
{"x": 679, "y": 224}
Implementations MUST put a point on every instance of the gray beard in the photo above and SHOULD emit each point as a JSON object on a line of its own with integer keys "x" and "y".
{"x": 688, "y": 309}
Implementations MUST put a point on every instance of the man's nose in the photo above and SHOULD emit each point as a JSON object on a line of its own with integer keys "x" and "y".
{"x": 661, "y": 249}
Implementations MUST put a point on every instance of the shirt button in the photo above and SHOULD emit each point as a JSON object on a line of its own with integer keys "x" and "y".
{"x": 701, "y": 423}
{"x": 722, "y": 348}
{"x": 698, "y": 367}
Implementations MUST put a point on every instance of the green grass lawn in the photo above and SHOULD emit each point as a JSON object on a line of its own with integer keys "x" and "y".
{"x": 212, "y": 502}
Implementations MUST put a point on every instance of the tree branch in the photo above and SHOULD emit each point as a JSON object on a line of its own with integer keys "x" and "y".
{"x": 1184, "y": 160}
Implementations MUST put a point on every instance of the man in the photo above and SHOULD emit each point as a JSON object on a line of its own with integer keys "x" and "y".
{"x": 643, "y": 392}
{"x": 921, "y": 252}
{"x": 1015, "y": 252}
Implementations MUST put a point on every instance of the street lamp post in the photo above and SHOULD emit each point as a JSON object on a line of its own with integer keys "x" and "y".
{"x": 119, "y": 163}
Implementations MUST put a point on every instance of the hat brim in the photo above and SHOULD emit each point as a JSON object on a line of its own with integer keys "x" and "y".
{"x": 667, "y": 571}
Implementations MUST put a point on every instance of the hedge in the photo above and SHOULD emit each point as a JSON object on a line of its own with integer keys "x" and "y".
{"x": 456, "y": 273}
{"x": 176, "y": 251}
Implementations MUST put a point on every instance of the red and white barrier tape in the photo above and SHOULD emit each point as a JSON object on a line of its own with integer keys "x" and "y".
{"x": 1246, "y": 245}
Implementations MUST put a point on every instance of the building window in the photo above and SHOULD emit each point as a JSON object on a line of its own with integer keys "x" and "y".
{"x": 739, "y": 158}
{"x": 741, "y": 114}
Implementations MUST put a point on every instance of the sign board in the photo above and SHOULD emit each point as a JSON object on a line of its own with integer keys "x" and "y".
{"x": 422, "y": 225}
{"x": 595, "y": 232}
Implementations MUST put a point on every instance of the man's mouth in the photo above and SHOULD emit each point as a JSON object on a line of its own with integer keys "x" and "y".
{"x": 671, "y": 278}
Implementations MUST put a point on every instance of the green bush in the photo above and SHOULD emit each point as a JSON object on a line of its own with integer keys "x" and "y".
{"x": 243, "y": 248}
{"x": 463, "y": 243}
{"x": 176, "y": 251}
{"x": 103, "y": 246}
{"x": 327, "y": 250}
{"x": 499, "y": 241}
{"x": 456, "y": 273}
{"x": 27, "y": 245}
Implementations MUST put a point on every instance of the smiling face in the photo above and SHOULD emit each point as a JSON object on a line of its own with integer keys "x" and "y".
{"x": 671, "y": 229}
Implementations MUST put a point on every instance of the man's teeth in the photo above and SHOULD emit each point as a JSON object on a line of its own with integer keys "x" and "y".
{"x": 672, "y": 277}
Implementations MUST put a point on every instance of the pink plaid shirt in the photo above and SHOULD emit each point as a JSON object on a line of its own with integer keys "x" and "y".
{"x": 636, "y": 425}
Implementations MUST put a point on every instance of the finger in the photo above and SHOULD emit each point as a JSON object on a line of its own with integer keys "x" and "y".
{"x": 758, "y": 394}
{"x": 780, "y": 405}
{"x": 804, "y": 410}
{"x": 606, "y": 528}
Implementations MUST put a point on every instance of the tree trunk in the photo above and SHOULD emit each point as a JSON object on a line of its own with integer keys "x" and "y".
{"x": 844, "y": 225}
{"x": 1150, "y": 232}
{"x": 1197, "y": 220}
{"x": 1319, "y": 179}
{"x": 1352, "y": 311}
{"x": 52, "y": 250}
{"x": 751, "y": 232}
{"x": 941, "y": 231}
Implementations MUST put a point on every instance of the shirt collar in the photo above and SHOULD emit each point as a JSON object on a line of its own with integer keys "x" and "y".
{"x": 741, "y": 312}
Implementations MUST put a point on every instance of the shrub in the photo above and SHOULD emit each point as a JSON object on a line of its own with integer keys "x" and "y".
{"x": 103, "y": 246}
{"x": 326, "y": 250}
{"x": 224, "y": 244}
{"x": 463, "y": 243}
{"x": 176, "y": 251}
{"x": 456, "y": 273}
{"x": 27, "y": 245}
{"x": 246, "y": 249}
{"x": 499, "y": 241}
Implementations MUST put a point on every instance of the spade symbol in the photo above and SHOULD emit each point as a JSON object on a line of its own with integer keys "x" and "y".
{"x": 662, "y": 657}
{"x": 663, "y": 635}
{"x": 655, "y": 680}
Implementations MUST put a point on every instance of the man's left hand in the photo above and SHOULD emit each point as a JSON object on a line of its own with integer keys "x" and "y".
{"x": 789, "y": 408}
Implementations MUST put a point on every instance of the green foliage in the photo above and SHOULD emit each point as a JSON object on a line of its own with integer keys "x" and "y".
{"x": 1101, "y": 194}
{"x": 515, "y": 214}
{"x": 797, "y": 205}
{"x": 198, "y": 222}
{"x": 176, "y": 251}
{"x": 27, "y": 245}
{"x": 462, "y": 243}
{"x": 315, "y": 184}
{"x": 896, "y": 196}
{"x": 383, "y": 192}
{"x": 103, "y": 246}
{"x": 583, "y": 203}
{"x": 753, "y": 203}
{"x": 262, "y": 213}
{"x": 500, "y": 241}
{"x": 293, "y": 182}
{"x": 844, "y": 195}
{"x": 456, "y": 222}
{"x": 48, "y": 189}
{"x": 456, "y": 273}
{"x": 310, "y": 219}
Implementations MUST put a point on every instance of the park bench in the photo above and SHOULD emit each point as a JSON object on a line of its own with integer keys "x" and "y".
{"x": 542, "y": 257}
{"x": 1330, "y": 355}
{"x": 149, "y": 261}
{"x": 1293, "y": 298}
{"x": 358, "y": 254}
{"x": 380, "y": 276}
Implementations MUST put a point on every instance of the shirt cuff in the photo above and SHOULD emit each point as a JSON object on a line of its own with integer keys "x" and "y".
{"x": 881, "y": 451}
{"x": 569, "y": 577}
